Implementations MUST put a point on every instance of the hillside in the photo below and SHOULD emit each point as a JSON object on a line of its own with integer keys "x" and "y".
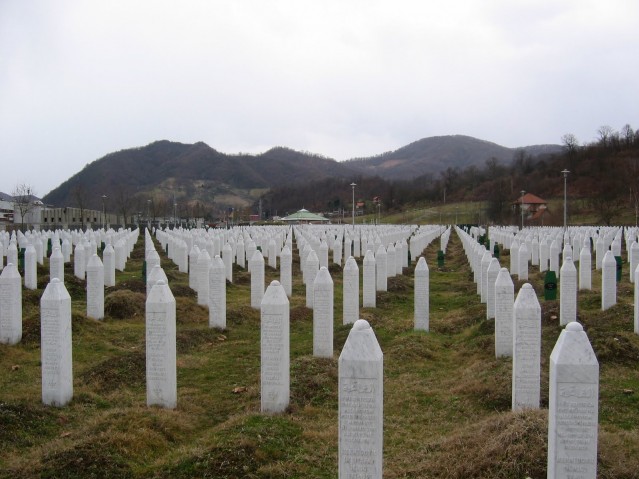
{"x": 435, "y": 154}
{"x": 166, "y": 171}
{"x": 196, "y": 172}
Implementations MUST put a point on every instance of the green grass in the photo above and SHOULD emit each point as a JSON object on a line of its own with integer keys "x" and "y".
{"x": 446, "y": 397}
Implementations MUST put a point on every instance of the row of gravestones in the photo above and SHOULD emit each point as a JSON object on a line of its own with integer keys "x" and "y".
{"x": 608, "y": 248}
{"x": 97, "y": 275}
{"x": 360, "y": 397}
{"x": 574, "y": 370}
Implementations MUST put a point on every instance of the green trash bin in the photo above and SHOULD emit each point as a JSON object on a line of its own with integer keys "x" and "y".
{"x": 550, "y": 286}
{"x": 619, "y": 267}
{"x": 440, "y": 258}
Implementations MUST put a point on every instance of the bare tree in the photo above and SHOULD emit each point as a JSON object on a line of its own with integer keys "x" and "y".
{"x": 570, "y": 142}
{"x": 80, "y": 196}
{"x": 23, "y": 201}
{"x": 628, "y": 134}
{"x": 605, "y": 132}
{"x": 123, "y": 203}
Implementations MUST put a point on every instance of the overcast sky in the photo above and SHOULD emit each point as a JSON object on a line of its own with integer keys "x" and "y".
{"x": 344, "y": 78}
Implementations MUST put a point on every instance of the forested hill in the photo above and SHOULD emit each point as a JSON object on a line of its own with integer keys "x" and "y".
{"x": 166, "y": 172}
{"x": 437, "y": 153}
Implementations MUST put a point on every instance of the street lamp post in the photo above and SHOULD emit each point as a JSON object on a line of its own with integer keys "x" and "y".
{"x": 521, "y": 207}
{"x": 353, "y": 185}
{"x": 104, "y": 197}
{"x": 565, "y": 173}
{"x": 174, "y": 215}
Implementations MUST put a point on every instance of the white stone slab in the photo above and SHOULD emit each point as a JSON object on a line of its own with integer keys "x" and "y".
{"x": 286, "y": 270}
{"x": 361, "y": 405}
{"x": 161, "y": 374}
{"x": 350, "y": 296}
{"x": 256, "y": 266}
{"x": 217, "y": 294}
{"x": 568, "y": 292}
{"x": 95, "y": 288}
{"x": 608, "y": 281}
{"x": 56, "y": 345}
{"x": 491, "y": 277}
{"x": 526, "y": 350}
{"x": 10, "y": 305}
{"x": 573, "y": 407}
{"x": 369, "y": 299}
{"x": 275, "y": 350}
{"x": 504, "y": 301}
{"x": 422, "y": 293}
{"x": 323, "y": 297}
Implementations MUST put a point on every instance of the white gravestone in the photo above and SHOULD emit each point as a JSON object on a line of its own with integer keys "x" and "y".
{"x": 56, "y": 264}
{"x": 12, "y": 254}
{"x": 275, "y": 350}
{"x": 227, "y": 259}
{"x": 522, "y": 270}
{"x": 585, "y": 268}
{"x": 256, "y": 267}
{"x": 369, "y": 299}
{"x": 391, "y": 268}
{"x": 554, "y": 257}
{"x": 193, "y": 256}
{"x": 95, "y": 288}
{"x": 381, "y": 265}
{"x": 422, "y": 291}
{"x": 633, "y": 259}
{"x": 350, "y": 295}
{"x": 504, "y": 300}
{"x": 573, "y": 406}
{"x": 483, "y": 275}
{"x": 568, "y": 292}
{"x": 608, "y": 281}
{"x": 203, "y": 265}
{"x": 286, "y": 270}
{"x": 55, "y": 345}
{"x": 272, "y": 257}
{"x": 108, "y": 261}
{"x": 514, "y": 257}
{"x": 30, "y": 268}
{"x": 10, "y": 305}
{"x": 312, "y": 267}
{"x": 161, "y": 375}
{"x": 491, "y": 277}
{"x": 526, "y": 350}
{"x": 637, "y": 300}
{"x": 361, "y": 404}
{"x": 323, "y": 295}
{"x": 79, "y": 263}
{"x": 153, "y": 276}
{"x": 217, "y": 294}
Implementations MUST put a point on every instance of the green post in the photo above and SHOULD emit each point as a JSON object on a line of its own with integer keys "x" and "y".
{"x": 49, "y": 247}
{"x": 440, "y": 259}
{"x": 550, "y": 286}
{"x": 21, "y": 260}
{"x": 496, "y": 252}
{"x": 144, "y": 271}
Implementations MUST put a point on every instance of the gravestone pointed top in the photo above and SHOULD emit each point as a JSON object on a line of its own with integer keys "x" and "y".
{"x": 361, "y": 325}
{"x": 574, "y": 326}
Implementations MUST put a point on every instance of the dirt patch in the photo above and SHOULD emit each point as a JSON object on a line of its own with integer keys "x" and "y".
{"x": 135, "y": 285}
{"x": 400, "y": 284}
{"x": 86, "y": 460}
{"x": 180, "y": 290}
{"x": 503, "y": 446}
{"x": 223, "y": 462}
{"x": 301, "y": 313}
{"x": 188, "y": 311}
{"x": 124, "y": 304}
{"x": 189, "y": 339}
{"x": 242, "y": 314}
{"x": 23, "y": 425}
{"x": 125, "y": 370}
{"x": 313, "y": 381}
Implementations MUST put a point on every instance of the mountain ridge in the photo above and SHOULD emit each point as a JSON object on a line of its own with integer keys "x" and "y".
{"x": 194, "y": 172}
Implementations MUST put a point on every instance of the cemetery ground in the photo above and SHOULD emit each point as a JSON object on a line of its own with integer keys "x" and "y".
{"x": 447, "y": 399}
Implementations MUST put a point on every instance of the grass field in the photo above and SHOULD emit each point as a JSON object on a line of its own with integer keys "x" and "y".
{"x": 446, "y": 398}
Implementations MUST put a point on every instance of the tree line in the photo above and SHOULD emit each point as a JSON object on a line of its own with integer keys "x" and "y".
{"x": 603, "y": 176}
